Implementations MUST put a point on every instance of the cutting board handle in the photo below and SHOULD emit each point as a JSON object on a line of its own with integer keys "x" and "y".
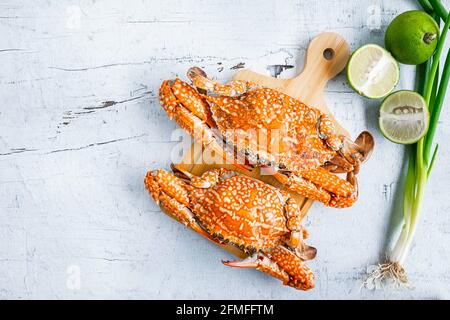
{"x": 327, "y": 55}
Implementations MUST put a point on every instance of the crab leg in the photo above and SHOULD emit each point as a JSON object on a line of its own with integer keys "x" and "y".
{"x": 340, "y": 193}
{"x": 280, "y": 263}
{"x": 338, "y": 164}
{"x": 298, "y": 233}
{"x": 344, "y": 202}
{"x": 303, "y": 187}
{"x": 301, "y": 276}
{"x": 329, "y": 181}
{"x": 260, "y": 262}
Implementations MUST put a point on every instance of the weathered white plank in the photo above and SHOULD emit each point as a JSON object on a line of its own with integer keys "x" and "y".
{"x": 80, "y": 125}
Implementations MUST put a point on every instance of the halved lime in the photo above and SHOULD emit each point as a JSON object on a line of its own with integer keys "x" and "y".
{"x": 404, "y": 117}
{"x": 372, "y": 71}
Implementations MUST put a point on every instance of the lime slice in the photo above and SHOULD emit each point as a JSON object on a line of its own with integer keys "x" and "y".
{"x": 404, "y": 117}
{"x": 372, "y": 71}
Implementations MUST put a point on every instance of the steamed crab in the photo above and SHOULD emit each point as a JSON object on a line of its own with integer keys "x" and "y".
{"x": 227, "y": 207}
{"x": 297, "y": 143}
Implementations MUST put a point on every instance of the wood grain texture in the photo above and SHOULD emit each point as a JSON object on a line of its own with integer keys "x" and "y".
{"x": 80, "y": 126}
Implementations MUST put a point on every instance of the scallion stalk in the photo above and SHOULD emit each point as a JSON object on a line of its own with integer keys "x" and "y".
{"x": 437, "y": 105}
{"x": 426, "y": 6}
{"x": 437, "y": 6}
{"x": 433, "y": 88}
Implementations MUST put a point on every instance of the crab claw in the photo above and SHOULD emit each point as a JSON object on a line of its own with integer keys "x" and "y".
{"x": 167, "y": 99}
{"x": 351, "y": 154}
{"x": 280, "y": 263}
{"x": 262, "y": 263}
{"x": 306, "y": 252}
{"x": 345, "y": 202}
{"x": 249, "y": 262}
{"x": 366, "y": 143}
{"x": 170, "y": 192}
{"x": 338, "y": 164}
{"x": 232, "y": 89}
{"x": 359, "y": 151}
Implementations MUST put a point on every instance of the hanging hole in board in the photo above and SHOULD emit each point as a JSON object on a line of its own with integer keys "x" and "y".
{"x": 328, "y": 53}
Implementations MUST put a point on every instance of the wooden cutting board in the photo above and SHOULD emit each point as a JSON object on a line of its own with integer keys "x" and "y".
{"x": 327, "y": 55}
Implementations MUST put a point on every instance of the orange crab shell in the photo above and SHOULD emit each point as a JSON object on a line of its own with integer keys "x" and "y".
{"x": 243, "y": 211}
{"x": 283, "y": 121}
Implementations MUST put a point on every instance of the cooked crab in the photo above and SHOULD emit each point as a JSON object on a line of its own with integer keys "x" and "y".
{"x": 299, "y": 144}
{"x": 227, "y": 207}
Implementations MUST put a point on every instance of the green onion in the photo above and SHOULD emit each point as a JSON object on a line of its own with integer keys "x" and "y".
{"x": 438, "y": 102}
{"x": 426, "y": 6}
{"x": 433, "y": 88}
{"x": 437, "y": 6}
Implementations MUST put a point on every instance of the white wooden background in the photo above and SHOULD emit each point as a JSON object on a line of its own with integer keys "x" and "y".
{"x": 80, "y": 125}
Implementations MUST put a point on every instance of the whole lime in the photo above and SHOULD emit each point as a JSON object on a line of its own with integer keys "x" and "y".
{"x": 412, "y": 37}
